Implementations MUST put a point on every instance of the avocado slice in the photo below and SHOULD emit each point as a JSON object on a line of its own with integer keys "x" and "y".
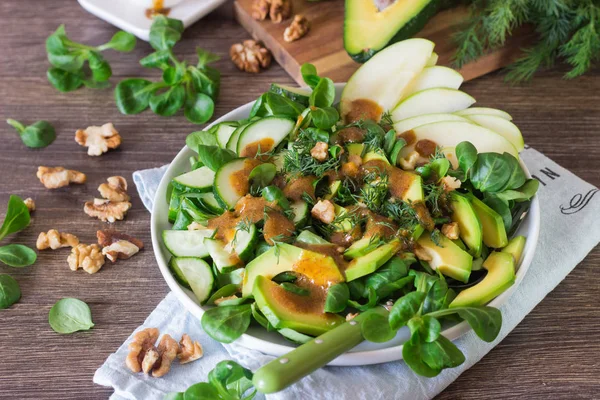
{"x": 368, "y": 30}
{"x": 355, "y": 149}
{"x": 500, "y": 276}
{"x": 515, "y": 247}
{"x": 449, "y": 259}
{"x": 370, "y": 262}
{"x": 321, "y": 269}
{"x": 493, "y": 230}
{"x": 284, "y": 309}
{"x": 466, "y": 218}
{"x": 361, "y": 247}
{"x": 375, "y": 155}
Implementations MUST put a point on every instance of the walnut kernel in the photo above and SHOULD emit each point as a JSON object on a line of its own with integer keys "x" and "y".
{"x": 107, "y": 237}
{"x": 324, "y": 211}
{"x": 168, "y": 350}
{"x": 55, "y": 240}
{"x": 115, "y": 189}
{"x": 88, "y": 257}
{"x": 30, "y": 204}
{"x": 142, "y": 342}
{"x": 250, "y": 56}
{"x": 122, "y": 249}
{"x": 280, "y": 10}
{"x": 319, "y": 151}
{"x": 189, "y": 350}
{"x": 260, "y": 9}
{"x": 55, "y": 177}
{"x": 98, "y": 139}
{"x": 297, "y": 29}
{"x": 451, "y": 230}
{"x": 106, "y": 210}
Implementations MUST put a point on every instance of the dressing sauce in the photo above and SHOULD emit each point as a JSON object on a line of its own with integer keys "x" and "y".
{"x": 239, "y": 180}
{"x": 260, "y": 146}
{"x": 277, "y": 227}
{"x": 311, "y": 304}
{"x": 399, "y": 181}
{"x": 425, "y": 147}
{"x": 157, "y": 9}
{"x": 362, "y": 109}
{"x": 326, "y": 250}
{"x": 409, "y": 137}
{"x": 296, "y": 187}
{"x": 351, "y": 134}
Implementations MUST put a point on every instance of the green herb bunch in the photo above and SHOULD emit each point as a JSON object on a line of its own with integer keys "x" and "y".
{"x": 195, "y": 88}
{"x": 566, "y": 29}
{"x": 14, "y": 255}
{"x": 68, "y": 58}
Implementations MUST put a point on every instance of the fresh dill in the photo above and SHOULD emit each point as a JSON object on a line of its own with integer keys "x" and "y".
{"x": 436, "y": 198}
{"x": 436, "y": 237}
{"x": 402, "y": 213}
{"x": 298, "y": 160}
{"x": 375, "y": 190}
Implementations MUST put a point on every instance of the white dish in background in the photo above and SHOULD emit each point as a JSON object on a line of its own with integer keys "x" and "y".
{"x": 273, "y": 343}
{"x": 130, "y": 15}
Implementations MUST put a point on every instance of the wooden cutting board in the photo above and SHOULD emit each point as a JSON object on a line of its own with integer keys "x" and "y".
{"x": 323, "y": 45}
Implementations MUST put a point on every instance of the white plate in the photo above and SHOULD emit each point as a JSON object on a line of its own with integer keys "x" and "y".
{"x": 271, "y": 342}
{"x": 130, "y": 15}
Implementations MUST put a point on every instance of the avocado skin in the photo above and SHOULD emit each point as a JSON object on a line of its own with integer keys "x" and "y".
{"x": 406, "y": 31}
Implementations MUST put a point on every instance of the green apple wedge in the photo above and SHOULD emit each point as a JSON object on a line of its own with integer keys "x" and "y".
{"x": 433, "y": 59}
{"x": 502, "y": 127}
{"x": 413, "y": 122}
{"x": 384, "y": 78}
{"x": 448, "y": 134}
{"x": 429, "y": 101}
{"x": 436, "y": 76}
{"x": 484, "y": 111}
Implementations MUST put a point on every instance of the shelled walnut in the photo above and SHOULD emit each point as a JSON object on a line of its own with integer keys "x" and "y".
{"x": 30, "y": 204}
{"x": 56, "y": 177}
{"x": 54, "y": 239}
{"x": 297, "y": 29}
{"x": 115, "y": 189}
{"x": 106, "y": 210}
{"x": 98, "y": 139}
{"x": 250, "y": 56}
{"x": 87, "y": 257}
{"x": 277, "y": 10}
{"x": 189, "y": 350}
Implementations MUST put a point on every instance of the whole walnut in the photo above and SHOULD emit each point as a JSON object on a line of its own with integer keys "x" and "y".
{"x": 250, "y": 56}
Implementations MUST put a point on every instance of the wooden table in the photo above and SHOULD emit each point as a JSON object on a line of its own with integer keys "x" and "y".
{"x": 554, "y": 352}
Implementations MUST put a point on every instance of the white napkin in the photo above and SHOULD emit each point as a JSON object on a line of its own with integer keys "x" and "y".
{"x": 570, "y": 228}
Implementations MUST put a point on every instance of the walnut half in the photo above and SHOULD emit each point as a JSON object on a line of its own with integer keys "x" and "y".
{"x": 115, "y": 189}
{"x": 106, "y": 210}
{"x": 250, "y": 56}
{"x": 56, "y": 177}
{"x": 98, "y": 139}
{"x": 297, "y": 29}
{"x": 189, "y": 350}
{"x": 88, "y": 257}
{"x": 277, "y": 10}
{"x": 30, "y": 204}
{"x": 54, "y": 239}
{"x": 144, "y": 356}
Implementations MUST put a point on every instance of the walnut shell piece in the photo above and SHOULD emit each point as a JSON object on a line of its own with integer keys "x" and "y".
{"x": 56, "y": 177}
{"x": 88, "y": 257}
{"x": 297, "y": 29}
{"x": 54, "y": 239}
{"x": 106, "y": 210}
{"x": 189, "y": 350}
{"x": 250, "y": 56}
{"x": 115, "y": 189}
{"x": 98, "y": 139}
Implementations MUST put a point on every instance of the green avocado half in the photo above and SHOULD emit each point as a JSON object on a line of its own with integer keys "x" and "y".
{"x": 368, "y": 30}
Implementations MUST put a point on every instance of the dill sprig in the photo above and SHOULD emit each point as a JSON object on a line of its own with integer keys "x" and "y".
{"x": 297, "y": 158}
{"x": 375, "y": 190}
{"x": 402, "y": 213}
{"x": 566, "y": 29}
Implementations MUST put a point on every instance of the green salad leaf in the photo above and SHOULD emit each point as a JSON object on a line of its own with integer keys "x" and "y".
{"x": 37, "y": 135}
{"x": 10, "y": 292}
{"x": 70, "y": 315}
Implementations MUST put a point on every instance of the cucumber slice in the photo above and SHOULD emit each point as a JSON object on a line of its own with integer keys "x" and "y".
{"x": 178, "y": 274}
{"x": 198, "y": 274}
{"x": 300, "y": 209}
{"x": 295, "y": 336}
{"x": 224, "y": 260}
{"x": 244, "y": 242}
{"x": 267, "y": 132}
{"x": 210, "y": 203}
{"x": 224, "y": 132}
{"x": 187, "y": 243}
{"x": 225, "y": 194}
{"x": 235, "y": 137}
{"x": 174, "y": 203}
{"x": 299, "y": 95}
{"x": 199, "y": 180}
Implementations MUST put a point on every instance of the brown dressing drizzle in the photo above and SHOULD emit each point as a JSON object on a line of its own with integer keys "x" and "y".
{"x": 350, "y": 134}
{"x": 157, "y": 9}
{"x": 260, "y": 146}
{"x": 239, "y": 180}
{"x": 409, "y": 136}
{"x": 362, "y": 109}
{"x": 425, "y": 148}
{"x": 297, "y": 186}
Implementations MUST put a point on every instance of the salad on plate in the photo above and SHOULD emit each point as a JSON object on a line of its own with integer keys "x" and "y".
{"x": 308, "y": 213}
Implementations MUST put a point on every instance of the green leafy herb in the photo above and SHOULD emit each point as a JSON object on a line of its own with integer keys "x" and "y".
{"x": 68, "y": 59}
{"x": 225, "y": 291}
{"x": 193, "y": 88}
{"x": 215, "y": 157}
{"x": 37, "y": 135}
{"x": 70, "y": 315}
{"x": 493, "y": 172}
{"x": 405, "y": 308}
{"x": 292, "y": 288}
{"x": 275, "y": 195}
{"x": 309, "y": 75}
{"x": 375, "y": 328}
{"x": 10, "y": 292}
{"x": 371, "y": 302}
{"x": 261, "y": 176}
{"x": 297, "y": 158}
{"x": 16, "y": 217}
{"x": 337, "y": 298}
{"x": 17, "y": 255}
{"x": 325, "y": 118}
{"x": 232, "y": 381}
{"x": 485, "y": 321}
{"x": 285, "y": 276}
{"x": 226, "y": 324}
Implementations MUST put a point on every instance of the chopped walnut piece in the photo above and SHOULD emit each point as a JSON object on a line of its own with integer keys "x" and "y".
{"x": 260, "y": 9}
{"x": 450, "y": 183}
{"x": 150, "y": 360}
{"x": 55, "y": 240}
{"x": 280, "y": 10}
{"x": 55, "y": 177}
{"x": 319, "y": 152}
{"x": 30, "y": 204}
{"x": 410, "y": 161}
{"x": 297, "y": 29}
{"x": 351, "y": 316}
{"x": 115, "y": 189}
{"x": 324, "y": 211}
{"x": 422, "y": 254}
{"x": 106, "y": 210}
{"x": 451, "y": 230}
{"x": 142, "y": 342}
{"x": 107, "y": 237}
{"x": 88, "y": 257}
{"x": 250, "y": 56}
{"x": 189, "y": 350}
{"x": 98, "y": 139}
{"x": 168, "y": 348}
{"x": 122, "y": 249}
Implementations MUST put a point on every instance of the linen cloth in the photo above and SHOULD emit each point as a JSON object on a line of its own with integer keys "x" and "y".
{"x": 570, "y": 229}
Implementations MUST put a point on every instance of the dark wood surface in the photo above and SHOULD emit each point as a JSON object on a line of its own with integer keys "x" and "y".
{"x": 553, "y": 353}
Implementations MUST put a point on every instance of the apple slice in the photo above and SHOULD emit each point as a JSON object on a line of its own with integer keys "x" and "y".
{"x": 382, "y": 80}
{"x": 433, "y": 77}
{"x": 413, "y": 122}
{"x": 484, "y": 111}
{"x": 432, "y": 60}
{"x": 448, "y": 134}
{"x": 429, "y": 101}
{"x": 501, "y": 127}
